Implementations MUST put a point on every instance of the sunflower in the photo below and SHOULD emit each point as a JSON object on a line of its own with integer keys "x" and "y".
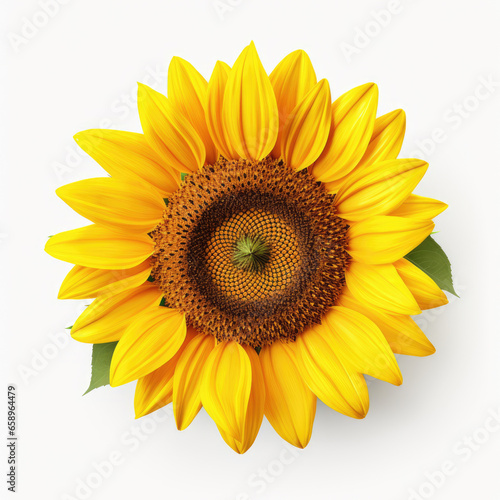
{"x": 247, "y": 250}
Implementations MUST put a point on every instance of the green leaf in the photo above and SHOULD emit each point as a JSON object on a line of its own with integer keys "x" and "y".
{"x": 101, "y": 361}
{"x": 431, "y": 259}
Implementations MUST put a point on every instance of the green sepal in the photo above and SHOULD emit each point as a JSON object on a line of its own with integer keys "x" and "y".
{"x": 183, "y": 176}
{"x": 431, "y": 259}
{"x": 101, "y": 361}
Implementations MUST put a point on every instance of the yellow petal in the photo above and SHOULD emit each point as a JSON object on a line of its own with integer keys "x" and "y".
{"x": 353, "y": 118}
{"x": 187, "y": 379}
{"x": 255, "y": 409}
{"x": 306, "y": 130}
{"x": 334, "y": 186}
{"x": 213, "y": 112}
{"x": 87, "y": 282}
{"x": 127, "y": 155}
{"x": 419, "y": 207}
{"x": 99, "y": 247}
{"x": 337, "y": 384}
{"x": 249, "y": 111}
{"x": 107, "y": 317}
{"x": 149, "y": 342}
{"x": 384, "y": 239}
{"x": 292, "y": 79}
{"x": 380, "y": 286}
{"x": 155, "y": 390}
{"x": 225, "y": 387}
{"x": 400, "y": 331}
{"x": 386, "y": 140}
{"x": 361, "y": 344}
{"x": 118, "y": 204}
{"x": 187, "y": 90}
{"x": 379, "y": 188}
{"x": 290, "y": 405}
{"x": 168, "y": 132}
{"x": 427, "y": 294}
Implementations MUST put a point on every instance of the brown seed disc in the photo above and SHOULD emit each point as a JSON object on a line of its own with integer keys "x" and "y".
{"x": 194, "y": 266}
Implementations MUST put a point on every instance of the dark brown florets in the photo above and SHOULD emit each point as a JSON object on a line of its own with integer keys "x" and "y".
{"x": 220, "y": 206}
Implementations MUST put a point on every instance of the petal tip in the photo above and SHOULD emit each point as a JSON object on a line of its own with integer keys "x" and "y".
{"x": 399, "y": 114}
{"x": 360, "y": 414}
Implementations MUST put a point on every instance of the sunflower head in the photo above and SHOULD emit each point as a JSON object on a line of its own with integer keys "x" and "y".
{"x": 273, "y": 271}
{"x": 250, "y": 251}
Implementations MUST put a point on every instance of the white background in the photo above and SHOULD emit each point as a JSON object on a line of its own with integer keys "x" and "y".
{"x": 78, "y": 69}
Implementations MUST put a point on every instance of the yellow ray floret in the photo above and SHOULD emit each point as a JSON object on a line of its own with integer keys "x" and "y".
{"x": 155, "y": 390}
{"x": 121, "y": 205}
{"x": 380, "y": 286}
{"x": 249, "y": 111}
{"x": 187, "y": 90}
{"x": 148, "y": 343}
{"x": 378, "y": 189}
{"x": 108, "y": 316}
{"x": 361, "y": 344}
{"x": 335, "y": 382}
{"x": 420, "y": 207}
{"x": 385, "y": 144}
{"x": 255, "y": 409}
{"x": 401, "y": 332}
{"x": 427, "y": 294}
{"x": 290, "y": 405}
{"x": 353, "y": 118}
{"x": 226, "y": 386}
{"x": 86, "y": 282}
{"x": 292, "y": 79}
{"x": 127, "y": 155}
{"x": 386, "y": 140}
{"x": 213, "y": 111}
{"x": 306, "y": 130}
{"x": 99, "y": 247}
{"x": 168, "y": 132}
{"x": 188, "y": 377}
{"x": 384, "y": 239}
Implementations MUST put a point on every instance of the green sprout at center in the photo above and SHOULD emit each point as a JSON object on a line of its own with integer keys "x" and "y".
{"x": 251, "y": 253}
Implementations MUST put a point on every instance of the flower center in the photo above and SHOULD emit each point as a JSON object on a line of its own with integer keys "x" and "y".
{"x": 250, "y": 251}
